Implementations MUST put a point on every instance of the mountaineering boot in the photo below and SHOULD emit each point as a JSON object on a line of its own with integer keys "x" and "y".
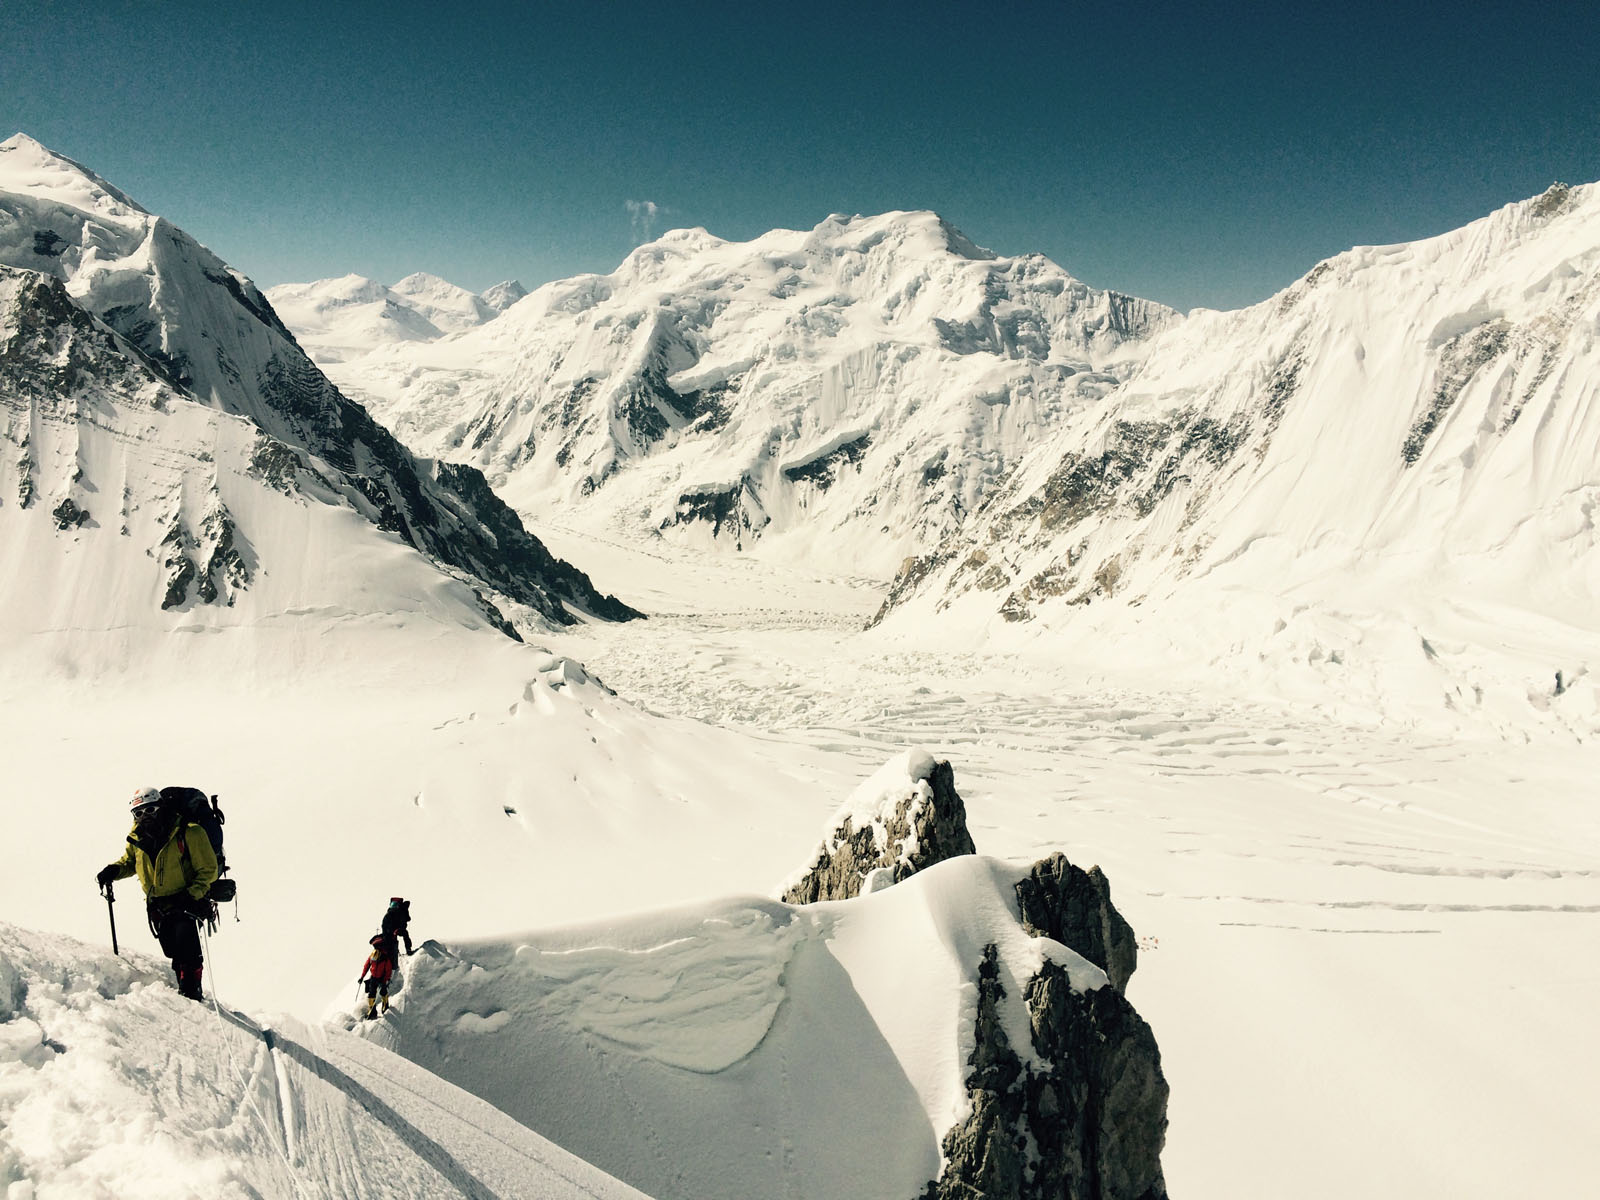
{"x": 385, "y": 1001}
{"x": 189, "y": 983}
{"x": 372, "y": 1009}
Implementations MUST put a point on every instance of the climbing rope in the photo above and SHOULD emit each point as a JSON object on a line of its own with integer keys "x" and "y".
{"x": 244, "y": 1079}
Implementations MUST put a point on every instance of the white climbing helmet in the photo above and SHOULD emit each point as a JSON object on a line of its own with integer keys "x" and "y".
{"x": 144, "y": 797}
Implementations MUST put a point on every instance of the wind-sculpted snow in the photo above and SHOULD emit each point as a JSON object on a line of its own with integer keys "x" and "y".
{"x": 205, "y": 331}
{"x": 815, "y": 1051}
{"x": 1406, "y": 437}
{"x": 851, "y": 392}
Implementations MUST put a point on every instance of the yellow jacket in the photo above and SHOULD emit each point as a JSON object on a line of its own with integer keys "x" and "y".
{"x": 169, "y": 870}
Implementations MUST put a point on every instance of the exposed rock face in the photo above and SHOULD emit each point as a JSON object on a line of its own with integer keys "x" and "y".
{"x": 1073, "y": 906}
{"x": 1085, "y": 1117}
{"x": 906, "y": 817}
{"x": 1082, "y": 1112}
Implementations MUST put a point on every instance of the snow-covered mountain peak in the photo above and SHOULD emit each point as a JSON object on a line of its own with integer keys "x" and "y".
{"x": 503, "y": 295}
{"x": 1370, "y": 461}
{"x": 117, "y": 327}
{"x": 452, "y": 308}
{"x": 917, "y": 231}
{"x": 333, "y": 293}
{"x": 28, "y": 165}
{"x": 853, "y": 389}
{"x": 352, "y": 315}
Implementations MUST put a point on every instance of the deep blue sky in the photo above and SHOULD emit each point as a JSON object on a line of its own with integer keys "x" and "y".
{"x": 1192, "y": 153}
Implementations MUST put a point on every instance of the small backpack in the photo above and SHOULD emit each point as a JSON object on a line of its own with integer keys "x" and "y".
{"x": 195, "y": 807}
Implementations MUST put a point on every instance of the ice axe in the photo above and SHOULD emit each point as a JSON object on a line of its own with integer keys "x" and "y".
{"x": 111, "y": 899}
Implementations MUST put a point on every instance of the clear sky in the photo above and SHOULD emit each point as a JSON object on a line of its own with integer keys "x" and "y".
{"x": 1197, "y": 154}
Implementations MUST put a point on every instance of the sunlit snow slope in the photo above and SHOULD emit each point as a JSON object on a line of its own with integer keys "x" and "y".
{"x": 815, "y": 1051}
{"x": 844, "y": 395}
{"x": 1382, "y": 480}
{"x": 113, "y": 1085}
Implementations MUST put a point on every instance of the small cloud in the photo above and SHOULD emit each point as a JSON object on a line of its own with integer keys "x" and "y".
{"x": 642, "y": 215}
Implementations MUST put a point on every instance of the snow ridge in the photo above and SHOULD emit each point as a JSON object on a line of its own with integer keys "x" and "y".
{"x": 118, "y": 1086}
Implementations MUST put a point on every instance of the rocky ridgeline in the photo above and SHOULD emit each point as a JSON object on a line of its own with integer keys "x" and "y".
{"x": 1082, "y": 1112}
{"x": 906, "y": 817}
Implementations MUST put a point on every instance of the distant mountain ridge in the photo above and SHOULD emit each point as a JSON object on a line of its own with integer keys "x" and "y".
{"x": 111, "y": 315}
{"x": 336, "y": 319}
{"x": 851, "y": 391}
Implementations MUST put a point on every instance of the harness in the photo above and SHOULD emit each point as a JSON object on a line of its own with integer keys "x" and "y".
{"x": 158, "y": 904}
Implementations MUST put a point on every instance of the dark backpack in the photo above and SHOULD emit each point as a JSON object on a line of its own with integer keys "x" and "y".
{"x": 397, "y": 917}
{"x": 197, "y": 808}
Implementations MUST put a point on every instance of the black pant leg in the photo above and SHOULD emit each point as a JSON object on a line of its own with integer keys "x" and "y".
{"x": 179, "y": 937}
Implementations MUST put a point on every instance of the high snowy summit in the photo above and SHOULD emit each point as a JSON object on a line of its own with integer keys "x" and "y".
{"x": 849, "y": 392}
{"x": 175, "y": 438}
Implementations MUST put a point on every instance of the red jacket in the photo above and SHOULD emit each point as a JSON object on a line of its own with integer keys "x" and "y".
{"x": 379, "y": 965}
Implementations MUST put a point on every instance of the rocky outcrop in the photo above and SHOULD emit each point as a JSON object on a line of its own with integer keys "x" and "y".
{"x": 905, "y": 818}
{"x": 1084, "y": 1115}
{"x": 1073, "y": 906}
{"x": 1081, "y": 1112}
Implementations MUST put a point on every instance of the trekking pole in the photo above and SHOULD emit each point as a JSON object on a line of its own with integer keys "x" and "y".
{"x": 111, "y": 912}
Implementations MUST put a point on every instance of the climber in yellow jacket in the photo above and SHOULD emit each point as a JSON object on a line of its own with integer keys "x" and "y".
{"x": 176, "y": 866}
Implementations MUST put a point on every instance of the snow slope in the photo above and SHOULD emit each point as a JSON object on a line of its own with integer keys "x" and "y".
{"x": 815, "y": 1051}
{"x": 841, "y": 395}
{"x": 1379, "y": 482}
{"x": 112, "y": 1085}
